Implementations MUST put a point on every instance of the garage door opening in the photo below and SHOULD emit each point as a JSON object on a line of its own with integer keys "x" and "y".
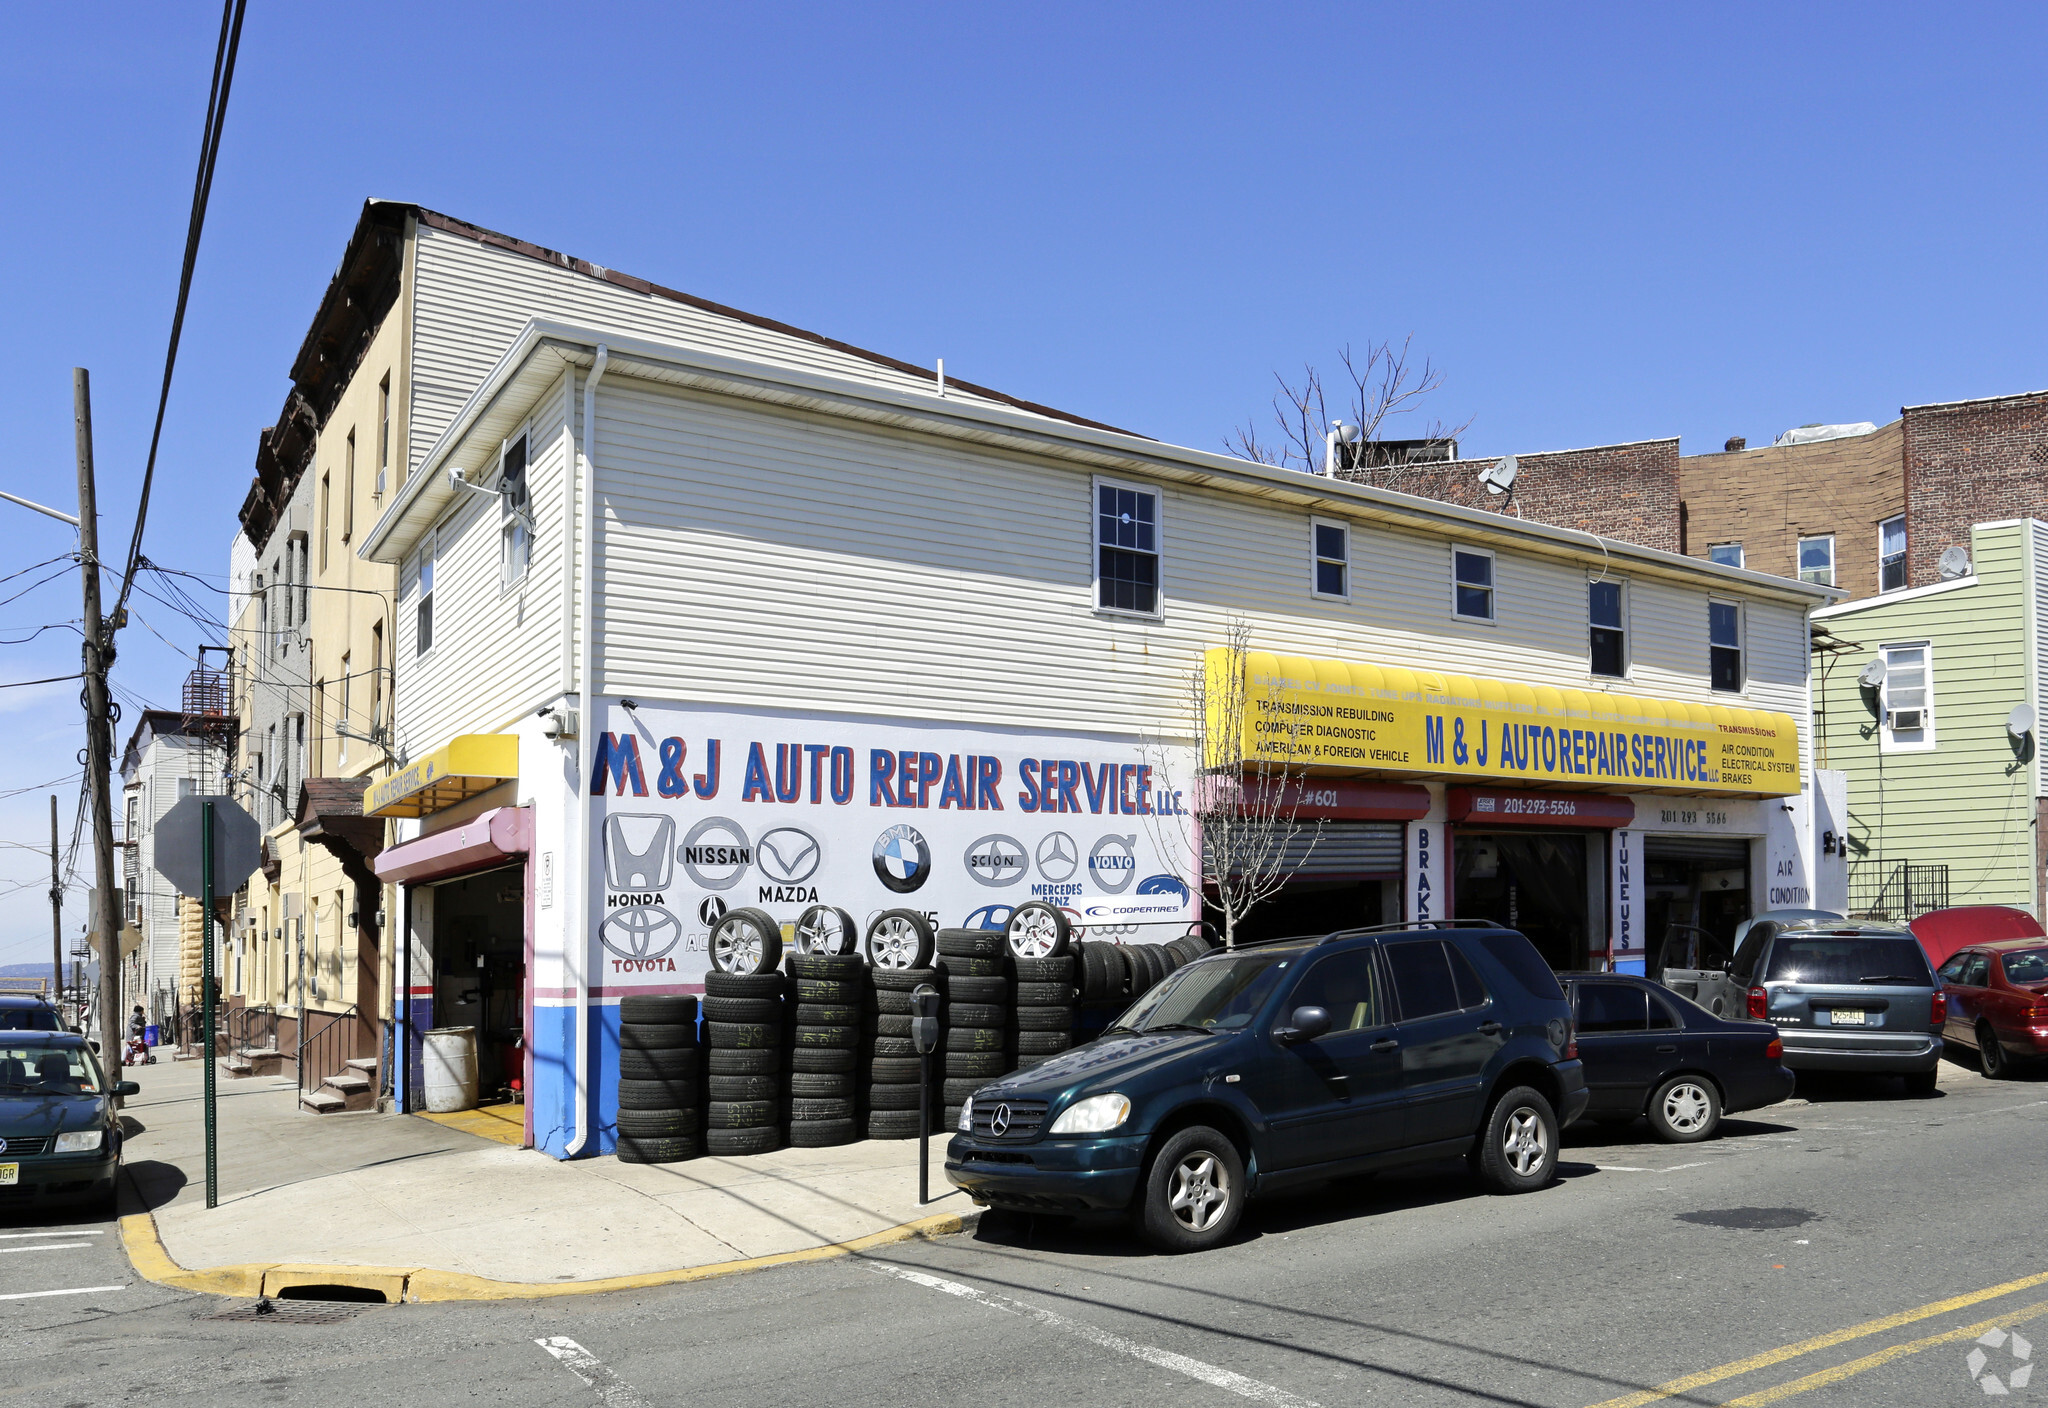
{"x": 1695, "y": 895}
{"x": 1531, "y": 881}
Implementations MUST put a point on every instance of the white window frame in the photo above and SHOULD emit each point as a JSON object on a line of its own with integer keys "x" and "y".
{"x": 1741, "y": 646}
{"x": 423, "y": 584}
{"x": 1627, "y": 635}
{"x": 1904, "y": 552}
{"x": 1741, "y": 559}
{"x": 511, "y": 524}
{"x": 1316, "y": 559}
{"x": 1798, "y": 563}
{"x": 1095, "y": 546}
{"x": 1923, "y": 738}
{"x": 1492, "y": 618}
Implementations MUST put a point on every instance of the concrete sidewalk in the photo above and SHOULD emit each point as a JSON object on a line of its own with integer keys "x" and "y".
{"x": 458, "y": 1216}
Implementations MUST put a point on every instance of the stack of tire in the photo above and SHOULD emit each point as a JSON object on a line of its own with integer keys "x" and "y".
{"x": 899, "y": 954}
{"x": 743, "y": 1022}
{"x": 825, "y": 1034}
{"x": 1114, "y": 975}
{"x": 658, "y": 1073}
{"x": 977, "y": 1014}
{"x": 1039, "y": 945}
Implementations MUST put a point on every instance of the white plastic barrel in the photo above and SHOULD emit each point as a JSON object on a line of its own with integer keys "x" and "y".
{"x": 449, "y": 1077}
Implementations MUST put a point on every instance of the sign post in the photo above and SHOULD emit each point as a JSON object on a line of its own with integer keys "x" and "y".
{"x": 924, "y": 1031}
{"x": 206, "y": 994}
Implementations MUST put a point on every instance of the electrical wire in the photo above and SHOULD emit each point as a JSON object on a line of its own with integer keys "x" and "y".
{"x": 54, "y": 679}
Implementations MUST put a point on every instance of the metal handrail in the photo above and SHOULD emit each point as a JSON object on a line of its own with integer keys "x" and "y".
{"x": 317, "y": 1047}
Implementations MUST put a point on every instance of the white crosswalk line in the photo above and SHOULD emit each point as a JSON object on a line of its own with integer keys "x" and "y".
{"x": 74, "y": 1291}
{"x": 46, "y": 1247}
{"x": 16, "y": 1236}
{"x": 586, "y": 1366}
{"x": 1165, "y": 1359}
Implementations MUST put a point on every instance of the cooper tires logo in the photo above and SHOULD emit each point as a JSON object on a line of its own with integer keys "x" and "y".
{"x": 903, "y": 862}
{"x": 716, "y": 853}
{"x": 997, "y": 861}
{"x": 1058, "y": 858}
{"x": 788, "y": 856}
{"x": 1113, "y": 863}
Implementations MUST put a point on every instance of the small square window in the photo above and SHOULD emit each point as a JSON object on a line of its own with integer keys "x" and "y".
{"x": 1472, "y": 583}
{"x": 1817, "y": 560}
{"x": 1891, "y": 554}
{"x": 1725, "y": 554}
{"x": 1724, "y": 645}
{"x": 1332, "y": 543}
{"x": 1608, "y": 643}
{"x": 1127, "y": 549}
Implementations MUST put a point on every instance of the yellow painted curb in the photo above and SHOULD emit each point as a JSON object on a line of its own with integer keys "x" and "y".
{"x": 152, "y": 1262}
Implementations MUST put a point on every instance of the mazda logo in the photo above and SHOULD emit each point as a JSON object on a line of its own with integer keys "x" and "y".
{"x": 999, "y": 1122}
{"x": 788, "y": 856}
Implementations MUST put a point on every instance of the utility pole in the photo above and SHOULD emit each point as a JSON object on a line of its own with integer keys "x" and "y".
{"x": 99, "y": 724}
{"x": 56, "y": 913}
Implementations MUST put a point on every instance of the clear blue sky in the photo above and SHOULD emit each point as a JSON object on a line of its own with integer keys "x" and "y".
{"x": 1604, "y": 223}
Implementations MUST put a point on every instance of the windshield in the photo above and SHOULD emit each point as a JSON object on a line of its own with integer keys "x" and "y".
{"x": 1870, "y": 958}
{"x": 28, "y": 1019}
{"x": 1220, "y": 994}
{"x": 2029, "y": 965}
{"x": 47, "y": 1070}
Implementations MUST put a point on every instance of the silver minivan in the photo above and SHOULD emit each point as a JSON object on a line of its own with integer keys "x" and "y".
{"x": 1847, "y": 997}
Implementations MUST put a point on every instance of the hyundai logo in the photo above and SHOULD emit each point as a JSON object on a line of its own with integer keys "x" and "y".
{"x": 999, "y": 1122}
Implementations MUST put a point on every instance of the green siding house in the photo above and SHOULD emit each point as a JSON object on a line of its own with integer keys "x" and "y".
{"x": 1942, "y": 796}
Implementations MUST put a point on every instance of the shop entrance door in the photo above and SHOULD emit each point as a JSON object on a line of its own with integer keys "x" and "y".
{"x": 1695, "y": 895}
{"x": 480, "y": 975}
{"x": 1531, "y": 881}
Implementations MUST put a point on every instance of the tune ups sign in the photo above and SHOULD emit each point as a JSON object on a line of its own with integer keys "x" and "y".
{"x": 1318, "y": 713}
{"x": 699, "y": 813}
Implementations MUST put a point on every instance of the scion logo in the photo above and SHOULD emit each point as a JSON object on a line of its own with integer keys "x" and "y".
{"x": 716, "y": 853}
{"x": 903, "y": 861}
{"x": 1113, "y": 863}
{"x": 788, "y": 856}
{"x": 997, "y": 861}
{"x": 1058, "y": 857}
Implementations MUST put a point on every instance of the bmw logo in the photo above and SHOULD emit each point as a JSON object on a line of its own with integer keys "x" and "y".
{"x": 903, "y": 861}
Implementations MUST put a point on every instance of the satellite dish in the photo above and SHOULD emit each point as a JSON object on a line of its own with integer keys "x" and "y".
{"x": 1955, "y": 562}
{"x": 1873, "y": 674}
{"x": 2020, "y": 722}
{"x": 1499, "y": 477}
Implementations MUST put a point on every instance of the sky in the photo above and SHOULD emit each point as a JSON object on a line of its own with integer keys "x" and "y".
{"x": 1602, "y": 223}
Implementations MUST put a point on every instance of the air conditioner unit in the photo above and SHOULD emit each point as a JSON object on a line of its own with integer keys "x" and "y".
{"x": 1908, "y": 720}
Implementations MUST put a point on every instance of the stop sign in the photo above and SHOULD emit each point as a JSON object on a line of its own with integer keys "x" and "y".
{"x": 236, "y": 845}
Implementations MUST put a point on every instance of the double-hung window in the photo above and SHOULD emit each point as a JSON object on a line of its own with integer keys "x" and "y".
{"x": 1331, "y": 544}
{"x": 1817, "y": 559}
{"x": 1126, "y": 549}
{"x": 1724, "y": 645}
{"x": 1472, "y": 584}
{"x": 1908, "y": 697}
{"x": 423, "y": 618}
{"x": 1608, "y": 644}
{"x": 1725, "y": 554}
{"x": 515, "y": 520}
{"x": 1891, "y": 554}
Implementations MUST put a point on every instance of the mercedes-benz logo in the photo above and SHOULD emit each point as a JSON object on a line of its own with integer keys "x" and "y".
{"x": 999, "y": 1122}
{"x": 1058, "y": 857}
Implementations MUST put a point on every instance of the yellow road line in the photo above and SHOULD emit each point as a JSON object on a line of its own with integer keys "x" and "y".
{"x": 1883, "y": 1356}
{"x": 1834, "y": 1337}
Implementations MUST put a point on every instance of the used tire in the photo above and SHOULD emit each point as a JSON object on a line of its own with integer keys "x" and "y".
{"x": 956, "y": 1089}
{"x": 1037, "y": 930}
{"x": 894, "y": 1098}
{"x": 669, "y": 1150}
{"x": 817, "y": 1014}
{"x": 974, "y": 1039}
{"x": 1991, "y": 1055}
{"x": 903, "y": 980}
{"x": 979, "y": 989}
{"x": 657, "y": 1124}
{"x": 717, "y": 984}
{"x": 831, "y": 967}
{"x": 896, "y": 1124}
{"x": 679, "y": 1093}
{"x": 1517, "y": 1150}
{"x": 827, "y": 929}
{"x": 736, "y": 1036}
{"x": 957, "y": 968}
{"x": 672, "y": 1063}
{"x": 894, "y": 1046}
{"x": 977, "y": 1014}
{"x": 1193, "y": 1194}
{"x": 985, "y": 1064}
{"x": 821, "y": 1060}
{"x": 742, "y": 1009}
{"x": 741, "y": 1114}
{"x": 899, "y": 939}
{"x": 663, "y": 1009}
{"x": 806, "y": 1108}
{"x": 1685, "y": 1110}
{"x": 1045, "y": 1019}
{"x": 970, "y": 943}
{"x": 752, "y": 1061}
{"x": 765, "y": 1087}
{"x": 746, "y": 941}
{"x": 1045, "y": 970}
{"x": 841, "y": 991}
{"x": 893, "y": 1070}
{"x": 820, "y": 1134}
{"x": 742, "y": 1141}
{"x": 889, "y": 1024}
{"x": 811, "y": 1085}
{"x": 891, "y": 1003}
{"x": 1045, "y": 995}
{"x": 1102, "y": 973}
{"x": 651, "y": 1036}
{"x": 812, "y": 1037}
{"x": 1043, "y": 1043}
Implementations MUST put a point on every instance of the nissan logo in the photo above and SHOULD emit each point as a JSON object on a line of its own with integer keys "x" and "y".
{"x": 999, "y": 1122}
{"x": 715, "y": 853}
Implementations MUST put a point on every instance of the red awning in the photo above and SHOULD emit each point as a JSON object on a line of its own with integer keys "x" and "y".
{"x": 488, "y": 839}
{"x": 1347, "y": 799}
{"x": 1476, "y": 806}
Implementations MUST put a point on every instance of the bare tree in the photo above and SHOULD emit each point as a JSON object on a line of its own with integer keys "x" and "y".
{"x": 1248, "y": 834}
{"x": 1378, "y": 385}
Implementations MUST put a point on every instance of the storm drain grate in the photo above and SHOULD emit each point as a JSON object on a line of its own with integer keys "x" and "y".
{"x": 291, "y": 1312}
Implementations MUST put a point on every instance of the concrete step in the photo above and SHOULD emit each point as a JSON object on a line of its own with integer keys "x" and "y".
{"x": 348, "y": 1082}
{"x": 259, "y": 1053}
{"x": 238, "y": 1068}
{"x": 321, "y": 1102}
{"x": 366, "y": 1064}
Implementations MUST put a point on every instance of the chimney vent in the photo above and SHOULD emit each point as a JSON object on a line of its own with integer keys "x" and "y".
{"x": 1736, "y": 442}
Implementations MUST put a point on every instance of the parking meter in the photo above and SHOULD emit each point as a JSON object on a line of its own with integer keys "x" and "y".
{"x": 924, "y": 1034}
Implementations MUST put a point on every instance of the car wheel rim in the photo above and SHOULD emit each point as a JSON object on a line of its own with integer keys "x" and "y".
{"x": 1198, "y": 1194}
{"x": 1525, "y": 1142}
{"x": 737, "y": 949}
{"x": 1034, "y": 934}
{"x": 892, "y": 944}
{"x": 1686, "y": 1107}
{"x": 820, "y": 932}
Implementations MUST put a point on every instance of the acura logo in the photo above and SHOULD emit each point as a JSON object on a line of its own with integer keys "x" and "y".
{"x": 999, "y": 1122}
{"x": 788, "y": 856}
{"x": 1058, "y": 857}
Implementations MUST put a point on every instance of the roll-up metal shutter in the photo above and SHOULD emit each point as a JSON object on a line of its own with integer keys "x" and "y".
{"x": 1717, "y": 851}
{"x": 1345, "y": 849}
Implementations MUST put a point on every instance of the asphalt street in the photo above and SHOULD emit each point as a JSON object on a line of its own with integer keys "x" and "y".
{"x": 1855, "y": 1248}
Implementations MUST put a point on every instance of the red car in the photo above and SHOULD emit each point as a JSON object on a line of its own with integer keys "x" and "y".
{"x": 1998, "y": 1002}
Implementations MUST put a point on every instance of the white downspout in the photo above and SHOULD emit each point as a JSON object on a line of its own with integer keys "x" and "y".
{"x": 578, "y": 940}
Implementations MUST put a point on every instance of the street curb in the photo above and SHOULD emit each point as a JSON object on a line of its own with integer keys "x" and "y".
{"x": 146, "y": 1252}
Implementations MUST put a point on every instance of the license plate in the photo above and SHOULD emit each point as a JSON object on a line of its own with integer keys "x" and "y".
{"x": 1849, "y": 1017}
{"x": 9, "y": 1173}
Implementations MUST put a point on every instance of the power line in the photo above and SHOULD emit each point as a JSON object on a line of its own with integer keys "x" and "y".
{"x": 209, "y": 152}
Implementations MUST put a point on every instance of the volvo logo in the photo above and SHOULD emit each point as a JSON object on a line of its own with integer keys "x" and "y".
{"x": 903, "y": 861}
{"x": 999, "y": 1122}
{"x": 997, "y": 861}
{"x": 1113, "y": 863}
{"x": 1058, "y": 857}
{"x": 716, "y": 853}
{"x": 788, "y": 856}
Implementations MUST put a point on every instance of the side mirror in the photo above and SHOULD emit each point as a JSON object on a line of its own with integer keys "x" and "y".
{"x": 127, "y": 1087}
{"x": 1307, "y": 1024}
{"x": 94, "y": 1045}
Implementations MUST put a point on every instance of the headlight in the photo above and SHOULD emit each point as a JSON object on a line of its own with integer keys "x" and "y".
{"x": 78, "y": 1141}
{"x": 966, "y": 1125}
{"x": 1098, "y": 1114}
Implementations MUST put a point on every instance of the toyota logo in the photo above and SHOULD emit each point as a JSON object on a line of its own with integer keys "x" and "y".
{"x": 999, "y": 1122}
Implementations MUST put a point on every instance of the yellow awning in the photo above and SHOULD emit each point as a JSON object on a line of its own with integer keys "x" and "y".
{"x": 1329, "y": 714}
{"x": 469, "y": 764}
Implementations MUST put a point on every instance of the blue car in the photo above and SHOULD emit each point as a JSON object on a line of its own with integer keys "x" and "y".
{"x": 1267, "y": 1068}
